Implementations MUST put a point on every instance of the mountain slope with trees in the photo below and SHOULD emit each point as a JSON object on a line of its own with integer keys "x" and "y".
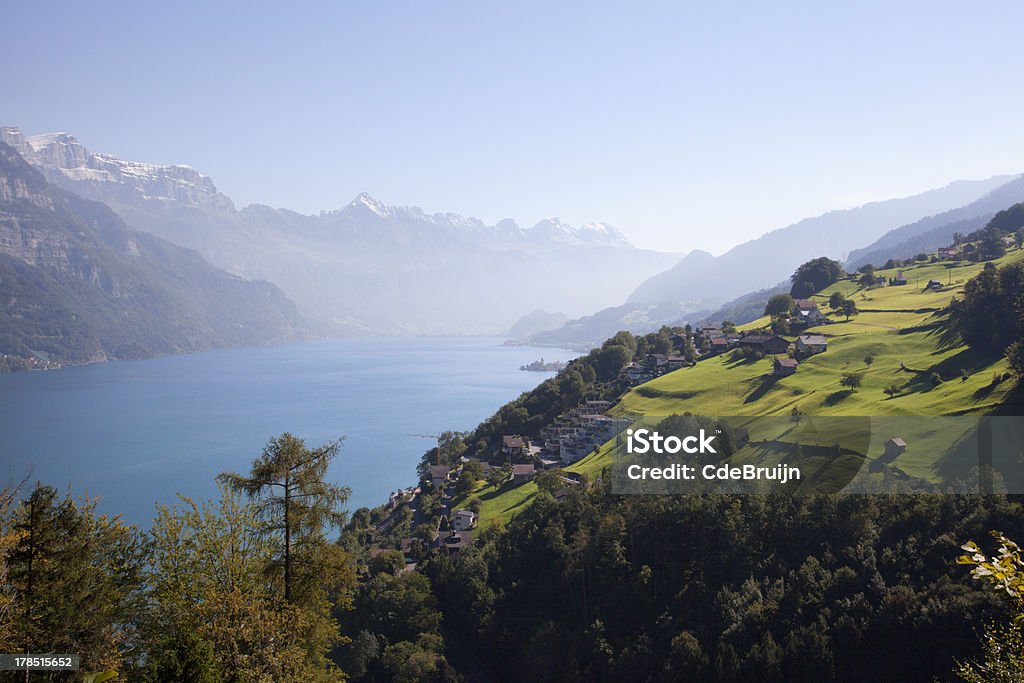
{"x": 78, "y": 285}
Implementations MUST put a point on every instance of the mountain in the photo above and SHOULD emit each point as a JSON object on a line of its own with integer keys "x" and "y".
{"x": 762, "y": 262}
{"x": 928, "y": 234}
{"x": 78, "y": 285}
{"x": 367, "y": 267}
{"x": 534, "y": 322}
{"x": 588, "y": 331}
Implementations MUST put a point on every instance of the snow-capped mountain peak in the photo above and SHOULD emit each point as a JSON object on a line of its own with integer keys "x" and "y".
{"x": 62, "y": 157}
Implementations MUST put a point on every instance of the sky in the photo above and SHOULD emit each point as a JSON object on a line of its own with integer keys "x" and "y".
{"x": 684, "y": 124}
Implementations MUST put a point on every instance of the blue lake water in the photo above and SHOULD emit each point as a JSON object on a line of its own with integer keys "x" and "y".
{"x": 139, "y": 432}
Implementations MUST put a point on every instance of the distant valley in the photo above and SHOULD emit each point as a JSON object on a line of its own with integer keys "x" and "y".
{"x": 734, "y": 286}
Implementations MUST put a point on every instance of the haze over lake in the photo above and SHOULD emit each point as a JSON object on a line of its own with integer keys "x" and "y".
{"x": 139, "y": 432}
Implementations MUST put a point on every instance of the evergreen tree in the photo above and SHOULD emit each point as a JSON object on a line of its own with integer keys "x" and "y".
{"x": 295, "y": 504}
{"x": 78, "y": 578}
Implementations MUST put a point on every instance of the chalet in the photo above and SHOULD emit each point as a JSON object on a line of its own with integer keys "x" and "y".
{"x": 899, "y": 280}
{"x": 949, "y": 252}
{"x": 711, "y": 332}
{"x": 805, "y": 305}
{"x": 1009, "y": 240}
{"x": 810, "y": 344}
{"x": 895, "y": 447}
{"x": 522, "y": 473}
{"x": 718, "y": 345}
{"x": 766, "y": 344}
{"x": 812, "y": 316}
{"x": 514, "y": 446}
{"x": 463, "y": 520}
{"x": 933, "y": 284}
{"x": 438, "y": 475}
{"x": 784, "y": 367}
{"x": 676, "y": 363}
{"x": 456, "y": 540}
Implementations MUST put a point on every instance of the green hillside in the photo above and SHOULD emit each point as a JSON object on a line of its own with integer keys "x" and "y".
{"x": 897, "y": 328}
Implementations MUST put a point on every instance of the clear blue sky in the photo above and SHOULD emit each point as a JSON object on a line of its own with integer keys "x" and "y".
{"x": 685, "y": 125}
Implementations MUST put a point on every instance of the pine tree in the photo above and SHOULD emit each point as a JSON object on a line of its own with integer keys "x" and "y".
{"x": 294, "y": 503}
{"x": 78, "y": 577}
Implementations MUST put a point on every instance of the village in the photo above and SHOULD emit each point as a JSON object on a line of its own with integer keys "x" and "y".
{"x": 791, "y": 334}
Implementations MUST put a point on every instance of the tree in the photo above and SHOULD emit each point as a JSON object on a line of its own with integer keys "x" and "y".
{"x": 992, "y": 245}
{"x": 778, "y": 305}
{"x": 550, "y": 481}
{"x": 1015, "y": 355}
{"x": 467, "y": 482}
{"x": 293, "y": 501}
{"x": 892, "y": 390}
{"x": 851, "y": 380}
{"x": 989, "y": 317}
{"x": 1003, "y": 645}
{"x": 848, "y": 308}
{"x": 869, "y": 279}
{"x": 814, "y": 276}
{"x": 611, "y": 359}
{"x": 78, "y": 579}
{"x": 868, "y": 360}
{"x": 835, "y": 301}
{"x": 209, "y": 584}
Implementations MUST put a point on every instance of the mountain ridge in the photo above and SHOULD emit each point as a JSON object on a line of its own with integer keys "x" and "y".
{"x": 78, "y": 285}
{"x": 367, "y": 267}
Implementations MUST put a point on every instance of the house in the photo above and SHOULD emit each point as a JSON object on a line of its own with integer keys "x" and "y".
{"x": 718, "y": 345}
{"x": 805, "y": 305}
{"x": 635, "y": 374}
{"x": 711, "y": 332}
{"x": 456, "y": 540}
{"x": 766, "y": 344}
{"x": 676, "y": 363}
{"x": 949, "y": 252}
{"x": 522, "y": 473}
{"x": 812, "y": 316}
{"x": 895, "y": 447}
{"x": 438, "y": 475}
{"x": 933, "y": 284}
{"x": 657, "y": 362}
{"x": 784, "y": 367}
{"x": 514, "y": 445}
{"x": 594, "y": 407}
{"x": 899, "y": 280}
{"x": 809, "y": 344}
{"x": 464, "y": 520}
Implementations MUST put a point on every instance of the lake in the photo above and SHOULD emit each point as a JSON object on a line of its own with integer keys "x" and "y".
{"x": 138, "y": 432}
